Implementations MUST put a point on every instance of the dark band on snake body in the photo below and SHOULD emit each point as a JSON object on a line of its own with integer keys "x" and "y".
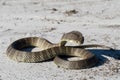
{"x": 80, "y": 64}
{"x": 14, "y": 50}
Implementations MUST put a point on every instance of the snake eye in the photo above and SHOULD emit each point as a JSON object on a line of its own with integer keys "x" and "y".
{"x": 82, "y": 40}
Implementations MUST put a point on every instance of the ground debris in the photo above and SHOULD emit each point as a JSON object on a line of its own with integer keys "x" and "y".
{"x": 71, "y": 12}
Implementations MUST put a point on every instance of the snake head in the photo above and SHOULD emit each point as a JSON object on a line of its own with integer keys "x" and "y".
{"x": 73, "y": 36}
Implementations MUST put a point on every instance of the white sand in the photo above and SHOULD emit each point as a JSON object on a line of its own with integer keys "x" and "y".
{"x": 98, "y": 20}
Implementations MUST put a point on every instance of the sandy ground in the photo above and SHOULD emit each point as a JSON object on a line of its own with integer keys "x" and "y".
{"x": 98, "y": 20}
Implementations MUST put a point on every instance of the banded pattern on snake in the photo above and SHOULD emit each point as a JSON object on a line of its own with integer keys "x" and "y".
{"x": 50, "y": 50}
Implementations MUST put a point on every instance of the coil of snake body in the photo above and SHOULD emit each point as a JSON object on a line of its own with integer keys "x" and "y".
{"x": 50, "y": 50}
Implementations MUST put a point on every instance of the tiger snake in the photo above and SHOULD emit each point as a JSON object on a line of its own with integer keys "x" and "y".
{"x": 57, "y": 51}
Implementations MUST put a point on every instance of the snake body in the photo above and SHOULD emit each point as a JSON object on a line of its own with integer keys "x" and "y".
{"x": 50, "y": 50}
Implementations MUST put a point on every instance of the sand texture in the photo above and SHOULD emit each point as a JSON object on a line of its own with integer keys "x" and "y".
{"x": 98, "y": 20}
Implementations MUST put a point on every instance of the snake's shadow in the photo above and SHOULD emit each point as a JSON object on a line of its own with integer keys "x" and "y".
{"x": 101, "y": 53}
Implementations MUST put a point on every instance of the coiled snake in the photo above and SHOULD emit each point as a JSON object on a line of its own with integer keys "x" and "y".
{"x": 50, "y": 50}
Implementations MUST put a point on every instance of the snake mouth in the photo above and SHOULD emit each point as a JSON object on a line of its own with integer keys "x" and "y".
{"x": 68, "y": 42}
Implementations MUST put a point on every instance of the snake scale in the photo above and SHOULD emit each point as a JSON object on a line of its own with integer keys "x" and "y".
{"x": 56, "y": 51}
